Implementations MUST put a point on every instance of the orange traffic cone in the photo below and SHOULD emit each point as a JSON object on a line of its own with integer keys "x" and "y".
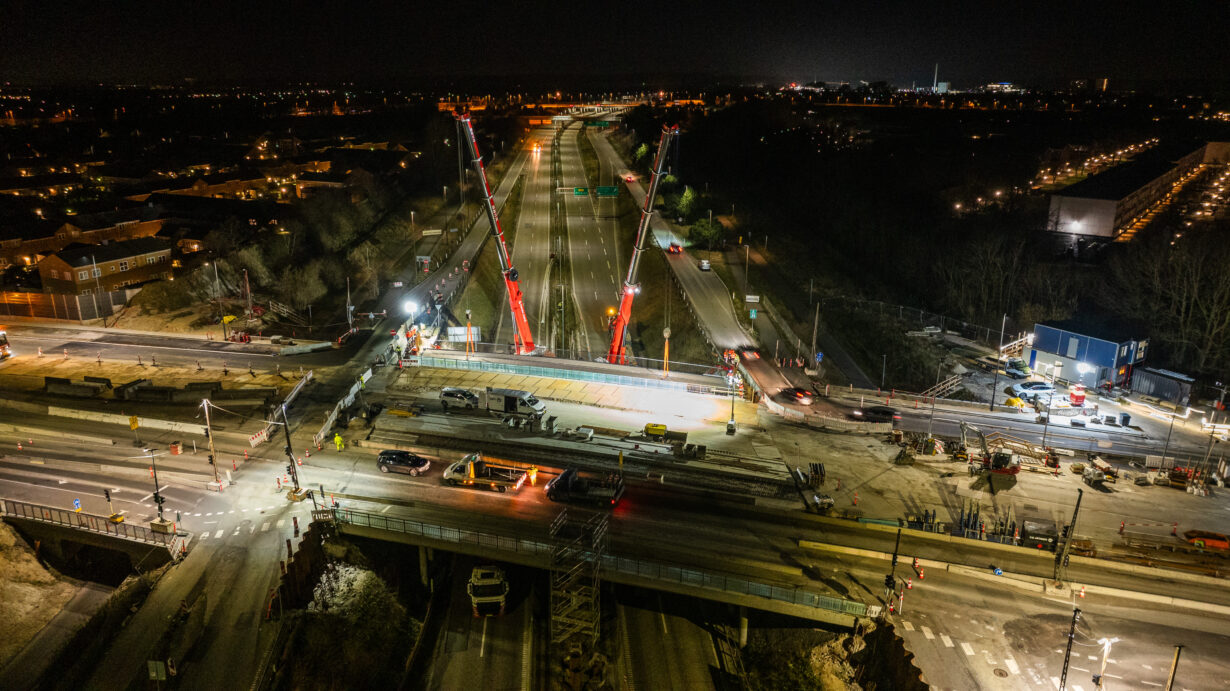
{"x": 909, "y": 584}
{"x": 1082, "y": 591}
{"x": 245, "y": 454}
{"x": 922, "y": 573}
{"x": 19, "y": 446}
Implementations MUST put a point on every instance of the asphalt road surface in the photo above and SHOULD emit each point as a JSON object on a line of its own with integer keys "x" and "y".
{"x": 531, "y": 248}
{"x": 593, "y": 252}
{"x": 483, "y": 652}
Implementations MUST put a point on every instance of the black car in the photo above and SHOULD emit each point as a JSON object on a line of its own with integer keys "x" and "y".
{"x": 392, "y": 461}
{"x": 797, "y": 395}
{"x": 879, "y": 413}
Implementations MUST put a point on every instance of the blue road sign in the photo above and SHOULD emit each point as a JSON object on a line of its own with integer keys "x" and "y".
{"x": 819, "y": 357}
{"x": 76, "y": 505}
{"x": 753, "y": 314}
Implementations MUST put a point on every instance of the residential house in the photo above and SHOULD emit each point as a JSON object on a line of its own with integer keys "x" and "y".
{"x": 85, "y": 269}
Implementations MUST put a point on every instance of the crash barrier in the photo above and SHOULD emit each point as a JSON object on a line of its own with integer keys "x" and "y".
{"x": 101, "y": 525}
{"x": 306, "y": 348}
{"x": 427, "y": 359}
{"x": 116, "y": 419}
{"x": 639, "y": 568}
{"x": 345, "y": 402}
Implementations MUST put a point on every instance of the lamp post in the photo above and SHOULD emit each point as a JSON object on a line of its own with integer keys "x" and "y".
{"x": 1166, "y": 448}
{"x": 998, "y": 355}
{"x": 1046, "y": 423}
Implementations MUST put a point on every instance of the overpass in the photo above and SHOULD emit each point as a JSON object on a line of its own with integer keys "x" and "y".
{"x": 536, "y": 552}
{"x": 53, "y": 527}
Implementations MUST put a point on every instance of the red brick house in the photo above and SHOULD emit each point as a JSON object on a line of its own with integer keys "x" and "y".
{"x": 85, "y": 269}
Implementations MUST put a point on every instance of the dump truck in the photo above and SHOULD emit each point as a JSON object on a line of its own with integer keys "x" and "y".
{"x": 513, "y": 403}
{"x": 475, "y": 471}
{"x": 488, "y": 589}
{"x": 572, "y": 486}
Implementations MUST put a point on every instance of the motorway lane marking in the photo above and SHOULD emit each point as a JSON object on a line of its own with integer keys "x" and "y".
{"x": 218, "y": 534}
{"x": 482, "y": 644}
{"x": 1146, "y": 667}
{"x": 927, "y": 632}
{"x": 265, "y": 526}
{"x": 1112, "y": 661}
{"x": 1093, "y": 657}
{"x": 281, "y": 522}
{"x": 197, "y": 515}
{"x": 204, "y": 536}
{"x": 1150, "y": 683}
{"x": 236, "y": 531}
{"x": 1055, "y": 680}
{"x": 947, "y": 641}
{"x": 908, "y": 626}
{"x": 969, "y": 650}
{"x": 1012, "y": 666}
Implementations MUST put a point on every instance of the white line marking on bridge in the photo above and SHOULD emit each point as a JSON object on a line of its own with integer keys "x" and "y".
{"x": 908, "y": 626}
{"x": 969, "y": 650}
{"x": 947, "y": 641}
{"x": 281, "y": 522}
{"x": 1146, "y": 666}
{"x": 1150, "y": 683}
{"x": 482, "y": 644}
{"x": 218, "y": 534}
{"x": 1055, "y": 681}
{"x": 204, "y": 536}
{"x": 927, "y": 632}
{"x": 251, "y": 529}
{"x": 265, "y": 526}
{"x": 1012, "y": 666}
{"x": 236, "y": 531}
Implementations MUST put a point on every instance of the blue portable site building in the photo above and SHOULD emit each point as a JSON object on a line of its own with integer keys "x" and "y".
{"x": 1070, "y": 353}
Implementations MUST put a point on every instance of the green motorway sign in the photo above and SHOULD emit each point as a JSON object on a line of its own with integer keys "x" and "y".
{"x": 605, "y": 191}
{"x": 597, "y": 123}
{"x": 580, "y": 191}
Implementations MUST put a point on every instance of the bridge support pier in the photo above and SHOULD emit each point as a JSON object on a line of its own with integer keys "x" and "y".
{"x": 424, "y": 556}
{"x": 742, "y": 627}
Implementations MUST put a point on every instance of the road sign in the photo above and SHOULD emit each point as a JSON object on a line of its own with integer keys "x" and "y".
{"x": 580, "y": 191}
{"x": 819, "y": 357}
{"x": 133, "y": 422}
{"x": 259, "y": 437}
{"x": 608, "y": 191}
{"x": 752, "y": 314}
{"x": 432, "y": 231}
{"x": 76, "y": 505}
{"x": 396, "y": 284}
{"x": 751, "y": 298}
{"x": 597, "y": 123}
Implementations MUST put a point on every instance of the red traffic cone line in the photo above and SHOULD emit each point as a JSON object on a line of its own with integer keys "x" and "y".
{"x": 909, "y": 584}
{"x": 922, "y": 573}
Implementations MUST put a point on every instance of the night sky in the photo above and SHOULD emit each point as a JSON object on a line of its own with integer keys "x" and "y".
{"x": 1135, "y": 44}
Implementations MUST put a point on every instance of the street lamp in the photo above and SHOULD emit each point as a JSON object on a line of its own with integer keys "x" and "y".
{"x": 1106, "y": 644}
{"x": 1046, "y": 423}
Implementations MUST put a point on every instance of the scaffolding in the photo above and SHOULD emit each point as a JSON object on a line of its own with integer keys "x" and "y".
{"x": 576, "y": 560}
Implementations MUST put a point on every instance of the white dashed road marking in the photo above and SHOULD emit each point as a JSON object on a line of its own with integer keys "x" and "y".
{"x": 969, "y": 650}
{"x": 908, "y": 626}
{"x": 218, "y": 534}
{"x": 927, "y": 632}
{"x": 947, "y": 641}
{"x": 265, "y": 526}
{"x": 1012, "y": 666}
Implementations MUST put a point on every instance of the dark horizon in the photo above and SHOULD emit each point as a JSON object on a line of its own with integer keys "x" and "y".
{"x": 1134, "y": 45}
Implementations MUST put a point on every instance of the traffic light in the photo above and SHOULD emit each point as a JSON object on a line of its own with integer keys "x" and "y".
{"x": 290, "y": 468}
{"x": 1066, "y": 557}
{"x": 211, "y": 458}
{"x": 1065, "y": 531}
{"x": 1097, "y": 680}
{"x": 107, "y": 494}
{"x": 894, "y": 558}
{"x": 888, "y": 582}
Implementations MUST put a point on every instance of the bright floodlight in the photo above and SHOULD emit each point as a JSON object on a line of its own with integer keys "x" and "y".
{"x": 410, "y": 306}
{"x": 1083, "y": 368}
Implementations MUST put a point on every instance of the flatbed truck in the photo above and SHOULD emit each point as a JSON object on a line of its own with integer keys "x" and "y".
{"x": 475, "y": 471}
{"x": 572, "y": 486}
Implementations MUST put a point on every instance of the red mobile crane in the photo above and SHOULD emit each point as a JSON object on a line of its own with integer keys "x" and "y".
{"x": 524, "y": 340}
{"x": 620, "y": 325}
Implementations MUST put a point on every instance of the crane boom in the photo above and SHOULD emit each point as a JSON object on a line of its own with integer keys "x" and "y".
{"x": 524, "y": 339}
{"x": 620, "y": 325}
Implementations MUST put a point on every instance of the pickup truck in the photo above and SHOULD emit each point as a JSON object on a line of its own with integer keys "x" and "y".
{"x": 572, "y": 486}
{"x": 474, "y": 471}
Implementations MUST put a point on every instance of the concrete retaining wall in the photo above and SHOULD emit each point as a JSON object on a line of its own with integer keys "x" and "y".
{"x": 306, "y": 348}
{"x": 114, "y": 419}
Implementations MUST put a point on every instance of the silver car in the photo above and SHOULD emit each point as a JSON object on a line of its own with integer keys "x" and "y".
{"x": 459, "y": 398}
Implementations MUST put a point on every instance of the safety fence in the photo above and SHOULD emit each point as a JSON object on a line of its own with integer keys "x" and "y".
{"x": 89, "y": 522}
{"x": 982, "y": 334}
{"x": 666, "y": 573}
{"x": 345, "y": 402}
